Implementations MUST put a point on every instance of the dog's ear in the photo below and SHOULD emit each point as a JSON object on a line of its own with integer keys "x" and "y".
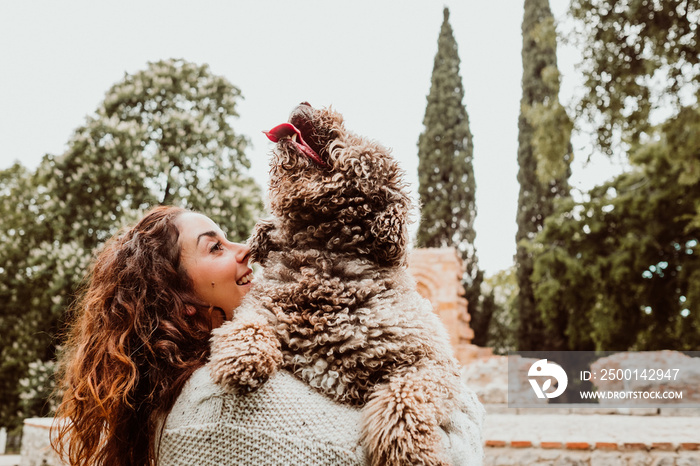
{"x": 261, "y": 243}
{"x": 390, "y": 233}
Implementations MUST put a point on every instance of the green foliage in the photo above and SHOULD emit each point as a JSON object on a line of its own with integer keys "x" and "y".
{"x": 542, "y": 111}
{"x": 36, "y": 389}
{"x": 620, "y": 270}
{"x": 162, "y": 135}
{"x": 638, "y": 56}
{"x": 27, "y": 313}
{"x": 500, "y": 291}
{"x": 548, "y": 143}
{"x": 445, "y": 170}
{"x": 544, "y": 157}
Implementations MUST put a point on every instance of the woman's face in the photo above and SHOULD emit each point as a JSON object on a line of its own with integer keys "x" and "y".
{"x": 217, "y": 267}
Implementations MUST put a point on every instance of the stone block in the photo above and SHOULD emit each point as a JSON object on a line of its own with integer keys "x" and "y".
{"x": 688, "y": 378}
{"x": 438, "y": 275}
{"x": 664, "y": 460}
{"x": 607, "y": 458}
{"x": 571, "y": 460}
{"x": 36, "y": 446}
{"x": 688, "y": 460}
{"x": 639, "y": 459}
{"x": 681, "y": 412}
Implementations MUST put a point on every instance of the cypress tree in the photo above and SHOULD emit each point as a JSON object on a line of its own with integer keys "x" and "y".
{"x": 445, "y": 171}
{"x": 544, "y": 156}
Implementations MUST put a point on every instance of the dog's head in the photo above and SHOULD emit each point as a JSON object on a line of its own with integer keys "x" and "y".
{"x": 337, "y": 191}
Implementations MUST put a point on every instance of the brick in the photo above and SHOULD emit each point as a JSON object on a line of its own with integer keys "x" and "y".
{"x": 663, "y": 446}
{"x": 578, "y": 445}
{"x": 605, "y": 446}
{"x": 520, "y": 444}
{"x": 551, "y": 445}
{"x": 634, "y": 446}
{"x": 690, "y": 446}
{"x": 495, "y": 443}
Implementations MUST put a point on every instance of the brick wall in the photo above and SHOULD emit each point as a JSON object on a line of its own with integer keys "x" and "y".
{"x": 438, "y": 275}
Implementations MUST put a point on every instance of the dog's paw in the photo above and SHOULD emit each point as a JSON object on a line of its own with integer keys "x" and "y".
{"x": 400, "y": 424}
{"x": 397, "y": 440}
{"x": 261, "y": 243}
{"x": 244, "y": 354}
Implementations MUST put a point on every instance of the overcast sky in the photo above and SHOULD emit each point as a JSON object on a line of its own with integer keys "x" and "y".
{"x": 370, "y": 60}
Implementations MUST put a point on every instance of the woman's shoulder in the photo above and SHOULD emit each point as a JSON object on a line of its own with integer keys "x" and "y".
{"x": 286, "y": 422}
{"x": 202, "y": 400}
{"x": 283, "y": 419}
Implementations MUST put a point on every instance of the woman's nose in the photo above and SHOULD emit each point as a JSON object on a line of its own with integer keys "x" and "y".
{"x": 242, "y": 252}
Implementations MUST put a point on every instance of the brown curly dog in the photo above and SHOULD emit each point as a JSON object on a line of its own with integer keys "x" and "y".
{"x": 335, "y": 304}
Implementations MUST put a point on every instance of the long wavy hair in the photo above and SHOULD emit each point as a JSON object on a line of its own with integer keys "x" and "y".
{"x": 138, "y": 335}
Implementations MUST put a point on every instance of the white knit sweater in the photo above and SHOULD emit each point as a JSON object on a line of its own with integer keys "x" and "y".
{"x": 285, "y": 422}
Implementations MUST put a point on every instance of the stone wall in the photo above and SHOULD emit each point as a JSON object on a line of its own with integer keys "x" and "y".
{"x": 578, "y": 435}
{"x": 438, "y": 274}
{"x": 679, "y": 373}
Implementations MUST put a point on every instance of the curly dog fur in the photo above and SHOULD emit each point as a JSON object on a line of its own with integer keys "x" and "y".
{"x": 335, "y": 304}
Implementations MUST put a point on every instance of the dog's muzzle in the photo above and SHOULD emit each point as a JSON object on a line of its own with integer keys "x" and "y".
{"x": 300, "y": 124}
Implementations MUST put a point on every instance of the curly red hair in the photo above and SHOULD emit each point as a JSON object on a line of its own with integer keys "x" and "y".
{"x": 139, "y": 333}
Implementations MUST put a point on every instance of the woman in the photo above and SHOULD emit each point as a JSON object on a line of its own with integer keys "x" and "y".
{"x": 143, "y": 326}
{"x": 142, "y": 331}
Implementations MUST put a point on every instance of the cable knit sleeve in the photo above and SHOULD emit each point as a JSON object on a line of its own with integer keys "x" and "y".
{"x": 285, "y": 422}
{"x": 464, "y": 434}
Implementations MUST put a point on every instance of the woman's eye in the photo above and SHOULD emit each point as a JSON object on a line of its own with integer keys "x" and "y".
{"x": 215, "y": 247}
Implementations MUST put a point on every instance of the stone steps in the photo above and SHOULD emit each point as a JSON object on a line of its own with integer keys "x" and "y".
{"x": 592, "y": 439}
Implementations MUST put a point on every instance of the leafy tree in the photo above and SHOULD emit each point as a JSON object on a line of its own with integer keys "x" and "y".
{"x": 162, "y": 135}
{"x": 641, "y": 68}
{"x": 446, "y": 174}
{"x": 22, "y": 308}
{"x": 544, "y": 156}
{"x": 623, "y": 265}
{"x": 639, "y": 57}
{"x": 500, "y": 290}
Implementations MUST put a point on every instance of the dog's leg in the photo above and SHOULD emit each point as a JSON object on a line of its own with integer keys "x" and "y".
{"x": 402, "y": 418}
{"x": 262, "y": 242}
{"x": 245, "y": 352}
